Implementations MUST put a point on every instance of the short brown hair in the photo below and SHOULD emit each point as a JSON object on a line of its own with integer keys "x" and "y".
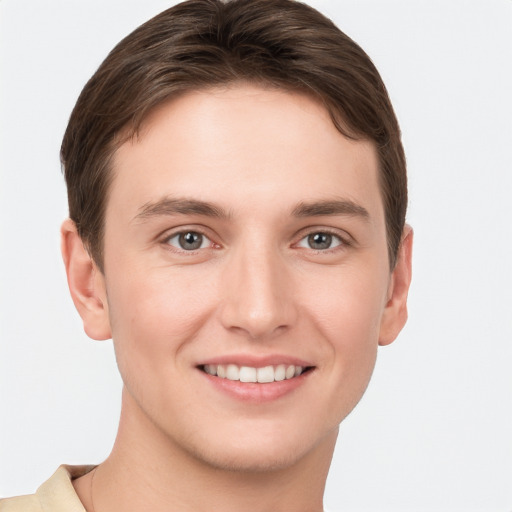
{"x": 203, "y": 43}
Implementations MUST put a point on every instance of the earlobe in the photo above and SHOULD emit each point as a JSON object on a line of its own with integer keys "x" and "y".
{"x": 395, "y": 312}
{"x": 86, "y": 283}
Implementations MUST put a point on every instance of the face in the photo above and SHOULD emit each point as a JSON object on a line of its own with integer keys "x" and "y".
{"x": 245, "y": 240}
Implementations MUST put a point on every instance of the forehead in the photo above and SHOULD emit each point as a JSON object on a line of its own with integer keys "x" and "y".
{"x": 240, "y": 145}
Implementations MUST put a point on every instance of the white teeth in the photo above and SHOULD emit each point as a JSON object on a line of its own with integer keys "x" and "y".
{"x": 280, "y": 372}
{"x": 266, "y": 374}
{"x": 221, "y": 371}
{"x": 249, "y": 374}
{"x": 232, "y": 372}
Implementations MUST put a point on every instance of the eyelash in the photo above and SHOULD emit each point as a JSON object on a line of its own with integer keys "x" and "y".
{"x": 342, "y": 241}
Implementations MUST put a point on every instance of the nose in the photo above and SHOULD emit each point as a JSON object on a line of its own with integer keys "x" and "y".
{"x": 258, "y": 297}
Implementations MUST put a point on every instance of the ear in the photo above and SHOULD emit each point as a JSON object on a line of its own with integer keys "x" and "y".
{"x": 86, "y": 283}
{"x": 395, "y": 312}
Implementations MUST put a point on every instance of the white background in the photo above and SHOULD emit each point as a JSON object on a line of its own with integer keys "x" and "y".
{"x": 434, "y": 430}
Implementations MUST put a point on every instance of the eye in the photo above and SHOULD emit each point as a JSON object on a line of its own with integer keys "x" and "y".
{"x": 189, "y": 241}
{"x": 320, "y": 241}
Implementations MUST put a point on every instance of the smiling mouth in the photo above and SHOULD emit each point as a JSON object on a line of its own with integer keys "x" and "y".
{"x": 264, "y": 375}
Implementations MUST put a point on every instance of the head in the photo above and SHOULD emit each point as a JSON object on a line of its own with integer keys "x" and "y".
{"x": 236, "y": 176}
{"x": 202, "y": 44}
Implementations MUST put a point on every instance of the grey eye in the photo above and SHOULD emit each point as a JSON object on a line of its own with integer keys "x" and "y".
{"x": 320, "y": 241}
{"x": 189, "y": 241}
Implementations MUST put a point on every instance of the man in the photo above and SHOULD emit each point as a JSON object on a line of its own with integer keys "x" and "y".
{"x": 237, "y": 196}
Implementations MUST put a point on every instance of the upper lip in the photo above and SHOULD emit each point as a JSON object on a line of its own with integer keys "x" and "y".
{"x": 256, "y": 361}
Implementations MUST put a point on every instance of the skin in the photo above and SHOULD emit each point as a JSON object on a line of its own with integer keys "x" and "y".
{"x": 255, "y": 288}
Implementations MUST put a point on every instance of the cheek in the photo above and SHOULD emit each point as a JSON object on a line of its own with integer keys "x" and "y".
{"x": 349, "y": 309}
{"x": 347, "y": 315}
{"x": 153, "y": 314}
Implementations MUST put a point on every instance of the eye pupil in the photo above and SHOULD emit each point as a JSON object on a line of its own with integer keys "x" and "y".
{"x": 190, "y": 241}
{"x": 320, "y": 240}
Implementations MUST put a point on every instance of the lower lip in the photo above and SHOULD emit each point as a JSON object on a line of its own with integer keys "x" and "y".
{"x": 254, "y": 392}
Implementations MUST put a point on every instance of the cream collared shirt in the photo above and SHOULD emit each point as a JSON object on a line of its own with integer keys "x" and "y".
{"x": 56, "y": 495}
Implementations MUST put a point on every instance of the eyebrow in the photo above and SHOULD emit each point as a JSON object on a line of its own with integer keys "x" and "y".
{"x": 180, "y": 206}
{"x": 185, "y": 206}
{"x": 332, "y": 207}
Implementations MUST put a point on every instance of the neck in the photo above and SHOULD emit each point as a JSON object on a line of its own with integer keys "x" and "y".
{"x": 148, "y": 471}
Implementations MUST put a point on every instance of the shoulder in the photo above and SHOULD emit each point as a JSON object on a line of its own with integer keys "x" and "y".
{"x": 57, "y": 494}
{"x": 21, "y": 504}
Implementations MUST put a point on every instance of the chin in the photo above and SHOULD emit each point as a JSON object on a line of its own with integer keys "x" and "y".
{"x": 248, "y": 461}
{"x": 276, "y": 451}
